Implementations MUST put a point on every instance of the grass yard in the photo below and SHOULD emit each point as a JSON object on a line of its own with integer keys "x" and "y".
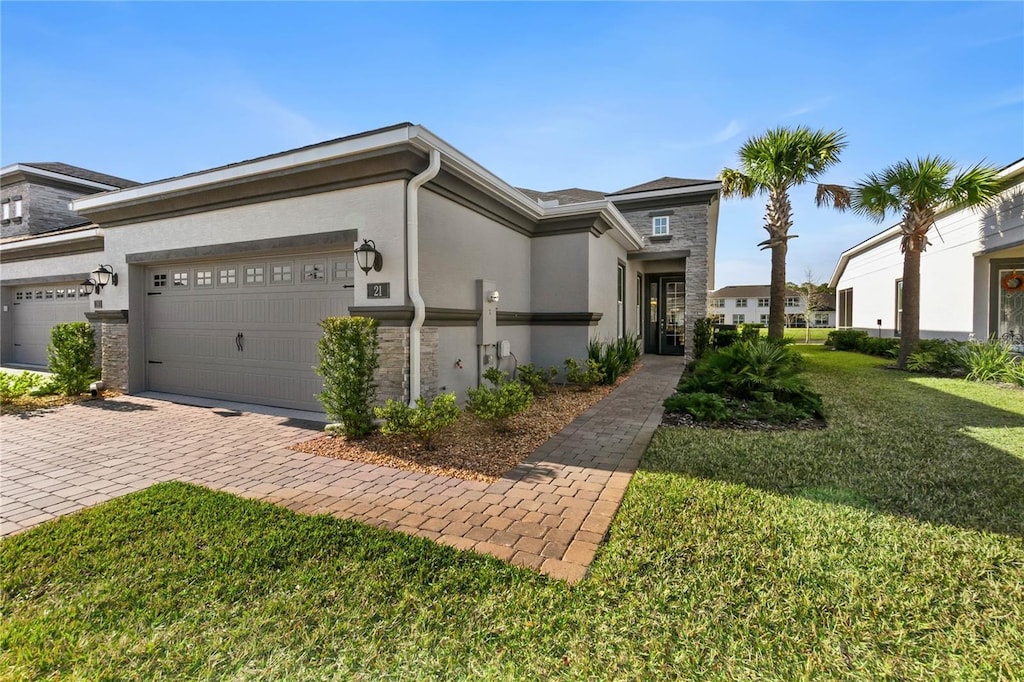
{"x": 890, "y": 545}
{"x": 800, "y": 334}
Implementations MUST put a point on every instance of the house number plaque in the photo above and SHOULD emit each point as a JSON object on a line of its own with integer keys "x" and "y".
{"x": 378, "y": 290}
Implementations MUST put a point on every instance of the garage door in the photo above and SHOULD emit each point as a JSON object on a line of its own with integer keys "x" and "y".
{"x": 244, "y": 330}
{"x": 34, "y": 312}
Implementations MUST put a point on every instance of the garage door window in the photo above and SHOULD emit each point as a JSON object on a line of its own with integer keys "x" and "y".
{"x": 227, "y": 277}
{"x": 343, "y": 270}
{"x": 313, "y": 272}
{"x": 181, "y": 278}
{"x": 281, "y": 274}
{"x": 253, "y": 275}
{"x": 19, "y": 296}
{"x": 204, "y": 278}
{"x": 159, "y": 280}
{"x": 49, "y": 295}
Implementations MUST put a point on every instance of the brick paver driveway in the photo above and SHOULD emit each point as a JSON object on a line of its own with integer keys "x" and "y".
{"x": 549, "y": 513}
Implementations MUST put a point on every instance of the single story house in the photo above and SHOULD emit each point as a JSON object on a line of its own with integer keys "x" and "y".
{"x": 744, "y": 303}
{"x": 969, "y": 274}
{"x": 213, "y": 283}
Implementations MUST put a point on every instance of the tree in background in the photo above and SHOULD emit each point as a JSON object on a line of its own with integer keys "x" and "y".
{"x": 771, "y": 164}
{"x": 917, "y": 191}
{"x": 813, "y": 297}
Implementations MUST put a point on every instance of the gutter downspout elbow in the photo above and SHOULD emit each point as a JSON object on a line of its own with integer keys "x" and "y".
{"x": 412, "y": 242}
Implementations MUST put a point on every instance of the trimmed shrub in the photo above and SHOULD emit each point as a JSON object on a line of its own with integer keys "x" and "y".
{"x": 703, "y": 335}
{"x": 498, "y": 404}
{"x": 70, "y": 353}
{"x": 945, "y": 356}
{"x": 883, "y": 348}
{"x": 537, "y": 379}
{"x": 348, "y": 359}
{"x": 846, "y": 339}
{"x": 749, "y": 331}
{"x": 18, "y": 385}
{"x": 585, "y": 376}
{"x": 705, "y": 407}
{"x": 725, "y": 338}
{"x": 422, "y": 422}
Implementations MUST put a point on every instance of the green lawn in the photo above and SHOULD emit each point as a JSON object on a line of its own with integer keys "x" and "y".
{"x": 890, "y": 545}
{"x": 800, "y": 334}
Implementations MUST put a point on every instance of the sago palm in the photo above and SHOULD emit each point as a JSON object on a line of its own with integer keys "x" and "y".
{"x": 918, "y": 191}
{"x": 770, "y": 164}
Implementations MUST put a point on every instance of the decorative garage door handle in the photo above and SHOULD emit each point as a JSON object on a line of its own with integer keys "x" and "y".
{"x": 240, "y": 341}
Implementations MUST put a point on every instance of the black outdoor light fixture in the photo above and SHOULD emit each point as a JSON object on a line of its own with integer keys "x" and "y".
{"x": 104, "y": 275}
{"x": 368, "y": 257}
{"x": 88, "y": 287}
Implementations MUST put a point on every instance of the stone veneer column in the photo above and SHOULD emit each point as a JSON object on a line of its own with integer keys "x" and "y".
{"x": 393, "y": 370}
{"x": 112, "y": 345}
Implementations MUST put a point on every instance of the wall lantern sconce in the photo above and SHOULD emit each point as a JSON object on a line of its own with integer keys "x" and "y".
{"x": 104, "y": 275}
{"x": 368, "y": 257}
{"x": 88, "y": 287}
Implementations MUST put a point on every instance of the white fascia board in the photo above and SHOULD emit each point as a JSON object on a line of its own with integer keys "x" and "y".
{"x": 1013, "y": 169}
{"x": 627, "y": 236}
{"x": 48, "y": 240}
{"x": 674, "y": 191}
{"x": 474, "y": 172}
{"x": 63, "y": 177}
{"x": 866, "y": 245}
{"x": 302, "y": 157}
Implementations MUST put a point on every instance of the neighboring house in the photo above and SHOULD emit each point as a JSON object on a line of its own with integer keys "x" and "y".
{"x": 966, "y": 273}
{"x": 34, "y": 199}
{"x": 749, "y": 303}
{"x": 225, "y": 273}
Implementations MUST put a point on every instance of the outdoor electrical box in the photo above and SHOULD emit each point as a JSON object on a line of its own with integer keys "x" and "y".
{"x": 504, "y": 349}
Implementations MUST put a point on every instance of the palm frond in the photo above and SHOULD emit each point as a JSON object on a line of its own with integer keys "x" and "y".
{"x": 737, "y": 185}
{"x": 976, "y": 186}
{"x": 836, "y": 196}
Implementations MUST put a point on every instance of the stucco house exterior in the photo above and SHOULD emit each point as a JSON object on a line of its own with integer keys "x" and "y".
{"x": 745, "y": 303}
{"x": 966, "y": 273}
{"x": 223, "y": 274}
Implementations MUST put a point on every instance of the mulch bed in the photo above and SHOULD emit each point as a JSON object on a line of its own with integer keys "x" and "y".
{"x": 470, "y": 449}
{"x": 30, "y": 405}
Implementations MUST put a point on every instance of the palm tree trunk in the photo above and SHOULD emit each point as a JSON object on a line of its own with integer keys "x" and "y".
{"x": 910, "y": 319}
{"x": 777, "y": 292}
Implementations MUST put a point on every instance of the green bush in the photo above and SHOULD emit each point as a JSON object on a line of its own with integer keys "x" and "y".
{"x": 846, "y": 339}
{"x": 725, "y": 338}
{"x": 422, "y": 422}
{"x": 989, "y": 361}
{"x": 585, "y": 376}
{"x": 498, "y": 404}
{"x": 18, "y": 385}
{"x": 71, "y": 355}
{"x": 614, "y": 358}
{"x": 883, "y": 348}
{"x": 536, "y": 378}
{"x": 705, "y": 407}
{"x": 348, "y": 359}
{"x": 749, "y": 331}
{"x": 703, "y": 335}
{"x": 944, "y": 355}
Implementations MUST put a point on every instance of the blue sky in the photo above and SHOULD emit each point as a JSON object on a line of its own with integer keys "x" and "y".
{"x": 545, "y": 95}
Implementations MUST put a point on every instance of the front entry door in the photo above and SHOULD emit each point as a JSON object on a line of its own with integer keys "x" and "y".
{"x": 666, "y": 313}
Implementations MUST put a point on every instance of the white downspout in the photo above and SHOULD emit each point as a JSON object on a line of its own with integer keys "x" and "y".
{"x": 412, "y": 242}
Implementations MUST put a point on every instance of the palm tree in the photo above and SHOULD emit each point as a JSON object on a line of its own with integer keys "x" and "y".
{"x": 918, "y": 190}
{"x": 771, "y": 164}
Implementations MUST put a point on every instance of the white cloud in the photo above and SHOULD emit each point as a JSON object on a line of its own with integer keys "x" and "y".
{"x": 728, "y": 132}
{"x": 809, "y": 107}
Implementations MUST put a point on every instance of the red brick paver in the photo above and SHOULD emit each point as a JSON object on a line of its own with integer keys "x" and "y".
{"x": 550, "y": 513}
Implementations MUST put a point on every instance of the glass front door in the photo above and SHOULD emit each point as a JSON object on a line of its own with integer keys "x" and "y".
{"x": 1010, "y": 308}
{"x": 673, "y": 314}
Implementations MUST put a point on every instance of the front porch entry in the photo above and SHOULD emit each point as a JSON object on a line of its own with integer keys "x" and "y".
{"x": 665, "y": 314}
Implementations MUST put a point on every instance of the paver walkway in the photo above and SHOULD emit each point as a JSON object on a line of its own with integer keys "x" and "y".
{"x": 549, "y": 513}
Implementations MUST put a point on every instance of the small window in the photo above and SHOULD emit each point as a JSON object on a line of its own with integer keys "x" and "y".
{"x": 254, "y": 274}
{"x": 281, "y": 274}
{"x": 204, "y": 278}
{"x": 718, "y": 303}
{"x": 343, "y": 270}
{"x": 741, "y": 303}
{"x": 762, "y": 303}
{"x": 17, "y": 208}
{"x": 820, "y": 319}
{"x": 738, "y": 318}
{"x": 7, "y": 210}
{"x": 718, "y": 319}
{"x": 159, "y": 280}
{"x": 792, "y": 301}
{"x": 313, "y": 272}
{"x": 39, "y": 295}
{"x": 899, "y": 307}
{"x": 660, "y": 226}
{"x": 59, "y": 294}
{"x": 181, "y": 278}
{"x": 19, "y": 296}
{"x": 72, "y": 293}
{"x": 227, "y": 277}
{"x": 764, "y": 318}
{"x": 48, "y": 295}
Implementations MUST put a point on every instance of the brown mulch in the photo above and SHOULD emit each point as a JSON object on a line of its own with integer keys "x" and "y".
{"x": 28, "y": 406}
{"x": 470, "y": 449}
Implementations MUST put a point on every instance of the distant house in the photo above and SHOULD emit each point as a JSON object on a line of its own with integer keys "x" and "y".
{"x": 749, "y": 303}
{"x": 972, "y": 274}
{"x": 224, "y": 274}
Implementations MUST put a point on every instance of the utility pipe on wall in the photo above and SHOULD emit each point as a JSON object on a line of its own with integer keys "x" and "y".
{"x": 412, "y": 239}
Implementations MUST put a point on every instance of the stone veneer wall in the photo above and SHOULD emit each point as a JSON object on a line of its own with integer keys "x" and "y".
{"x": 688, "y": 230}
{"x": 110, "y": 328}
{"x": 393, "y": 371}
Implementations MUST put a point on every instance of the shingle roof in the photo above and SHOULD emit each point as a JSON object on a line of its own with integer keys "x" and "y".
{"x": 571, "y": 195}
{"x": 662, "y": 183}
{"x": 81, "y": 173}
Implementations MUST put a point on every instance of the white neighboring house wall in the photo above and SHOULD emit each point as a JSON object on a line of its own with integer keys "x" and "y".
{"x": 958, "y": 291}
{"x": 753, "y": 312}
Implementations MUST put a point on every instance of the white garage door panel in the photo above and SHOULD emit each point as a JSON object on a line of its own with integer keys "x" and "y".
{"x": 249, "y": 343}
{"x": 35, "y": 311}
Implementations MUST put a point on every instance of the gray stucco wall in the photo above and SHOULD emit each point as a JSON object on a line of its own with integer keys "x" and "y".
{"x": 560, "y": 273}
